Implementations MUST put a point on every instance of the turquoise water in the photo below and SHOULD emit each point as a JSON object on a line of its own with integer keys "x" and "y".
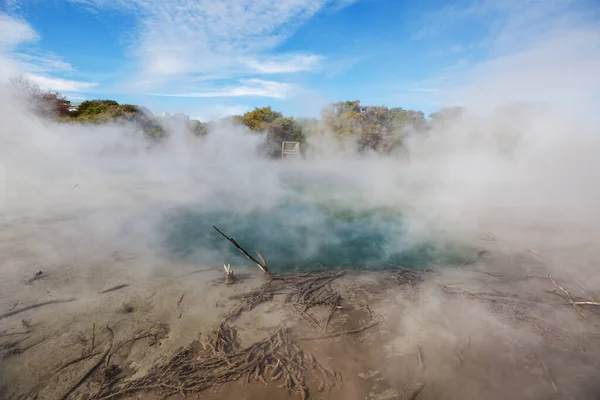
{"x": 300, "y": 236}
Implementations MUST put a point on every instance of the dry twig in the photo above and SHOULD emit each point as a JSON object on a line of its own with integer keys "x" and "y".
{"x": 262, "y": 265}
{"x": 38, "y": 275}
{"x": 112, "y": 289}
{"x": 408, "y": 277}
{"x": 275, "y": 358}
{"x": 89, "y": 371}
{"x": 349, "y": 332}
{"x": 420, "y": 356}
{"x": 569, "y": 298}
{"x": 45, "y": 303}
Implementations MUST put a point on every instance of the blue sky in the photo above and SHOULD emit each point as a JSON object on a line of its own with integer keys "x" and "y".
{"x": 208, "y": 58}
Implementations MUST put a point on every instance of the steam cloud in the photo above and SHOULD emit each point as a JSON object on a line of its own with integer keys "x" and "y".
{"x": 521, "y": 169}
{"x": 521, "y": 162}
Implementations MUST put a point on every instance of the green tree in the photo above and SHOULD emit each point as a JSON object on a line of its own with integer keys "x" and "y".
{"x": 282, "y": 129}
{"x": 445, "y": 115}
{"x": 98, "y": 108}
{"x": 257, "y": 118}
{"x": 198, "y": 128}
{"x": 343, "y": 119}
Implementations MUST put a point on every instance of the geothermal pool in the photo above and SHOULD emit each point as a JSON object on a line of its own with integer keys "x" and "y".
{"x": 305, "y": 236}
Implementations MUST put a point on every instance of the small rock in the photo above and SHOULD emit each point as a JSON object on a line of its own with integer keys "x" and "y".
{"x": 389, "y": 394}
{"x": 321, "y": 387}
{"x": 369, "y": 374}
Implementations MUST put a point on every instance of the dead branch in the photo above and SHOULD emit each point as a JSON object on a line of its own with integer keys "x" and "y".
{"x": 569, "y": 298}
{"x": 223, "y": 340}
{"x": 420, "y": 356}
{"x": 38, "y": 275}
{"x": 461, "y": 348}
{"x": 112, "y": 289}
{"x": 37, "y": 305}
{"x": 493, "y": 274}
{"x": 188, "y": 371}
{"x": 261, "y": 265}
{"x": 248, "y": 301}
{"x": 549, "y": 375}
{"x": 477, "y": 256}
{"x": 408, "y": 277}
{"x": 93, "y": 337}
{"x": 76, "y": 360}
{"x": 415, "y": 394}
{"x": 349, "y": 332}
{"x": 15, "y": 350}
{"x": 587, "y": 303}
{"x": 5, "y": 333}
{"x": 89, "y": 371}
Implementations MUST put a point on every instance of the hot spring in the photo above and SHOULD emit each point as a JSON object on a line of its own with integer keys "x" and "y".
{"x": 300, "y": 236}
{"x": 316, "y": 219}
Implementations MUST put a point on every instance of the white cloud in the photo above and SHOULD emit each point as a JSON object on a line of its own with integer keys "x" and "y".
{"x": 61, "y": 85}
{"x": 287, "y": 64}
{"x": 248, "y": 88}
{"x": 560, "y": 69}
{"x": 538, "y": 52}
{"x": 546, "y": 53}
{"x": 14, "y": 32}
{"x": 216, "y": 112}
{"x": 75, "y": 96}
{"x": 176, "y": 39}
{"x": 35, "y": 64}
{"x": 42, "y": 62}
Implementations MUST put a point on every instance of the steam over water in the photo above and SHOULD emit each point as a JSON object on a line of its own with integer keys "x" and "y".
{"x": 304, "y": 237}
{"x": 313, "y": 226}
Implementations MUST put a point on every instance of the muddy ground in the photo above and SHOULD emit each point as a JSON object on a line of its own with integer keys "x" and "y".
{"x": 494, "y": 329}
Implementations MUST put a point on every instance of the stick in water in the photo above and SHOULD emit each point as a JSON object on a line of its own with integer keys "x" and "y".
{"x": 261, "y": 265}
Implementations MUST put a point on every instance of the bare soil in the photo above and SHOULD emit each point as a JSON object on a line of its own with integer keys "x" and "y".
{"x": 493, "y": 329}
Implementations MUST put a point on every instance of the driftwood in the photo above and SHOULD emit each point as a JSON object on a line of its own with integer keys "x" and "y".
{"x": 105, "y": 356}
{"x": 112, "y": 289}
{"x": 349, "y": 332}
{"x": 248, "y": 301}
{"x": 220, "y": 360}
{"x": 567, "y": 296}
{"x": 415, "y": 394}
{"x": 420, "y": 357}
{"x": 38, "y": 275}
{"x": 302, "y": 293}
{"x": 261, "y": 264}
{"x": 31, "y": 307}
{"x": 189, "y": 371}
{"x": 478, "y": 255}
{"x": 223, "y": 340}
{"x": 90, "y": 370}
{"x": 13, "y": 348}
{"x": 549, "y": 375}
{"x": 408, "y": 277}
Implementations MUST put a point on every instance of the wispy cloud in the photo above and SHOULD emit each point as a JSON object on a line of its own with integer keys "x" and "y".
{"x": 247, "y": 88}
{"x": 533, "y": 51}
{"x": 59, "y": 84}
{"x": 286, "y": 64}
{"x": 547, "y": 52}
{"x": 178, "y": 40}
{"x": 216, "y": 112}
{"x": 37, "y": 65}
{"x": 37, "y": 61}
{"x": 14, "y": 32}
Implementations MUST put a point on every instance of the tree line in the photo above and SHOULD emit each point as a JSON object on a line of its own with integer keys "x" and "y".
{"x": 370, "y": 128}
